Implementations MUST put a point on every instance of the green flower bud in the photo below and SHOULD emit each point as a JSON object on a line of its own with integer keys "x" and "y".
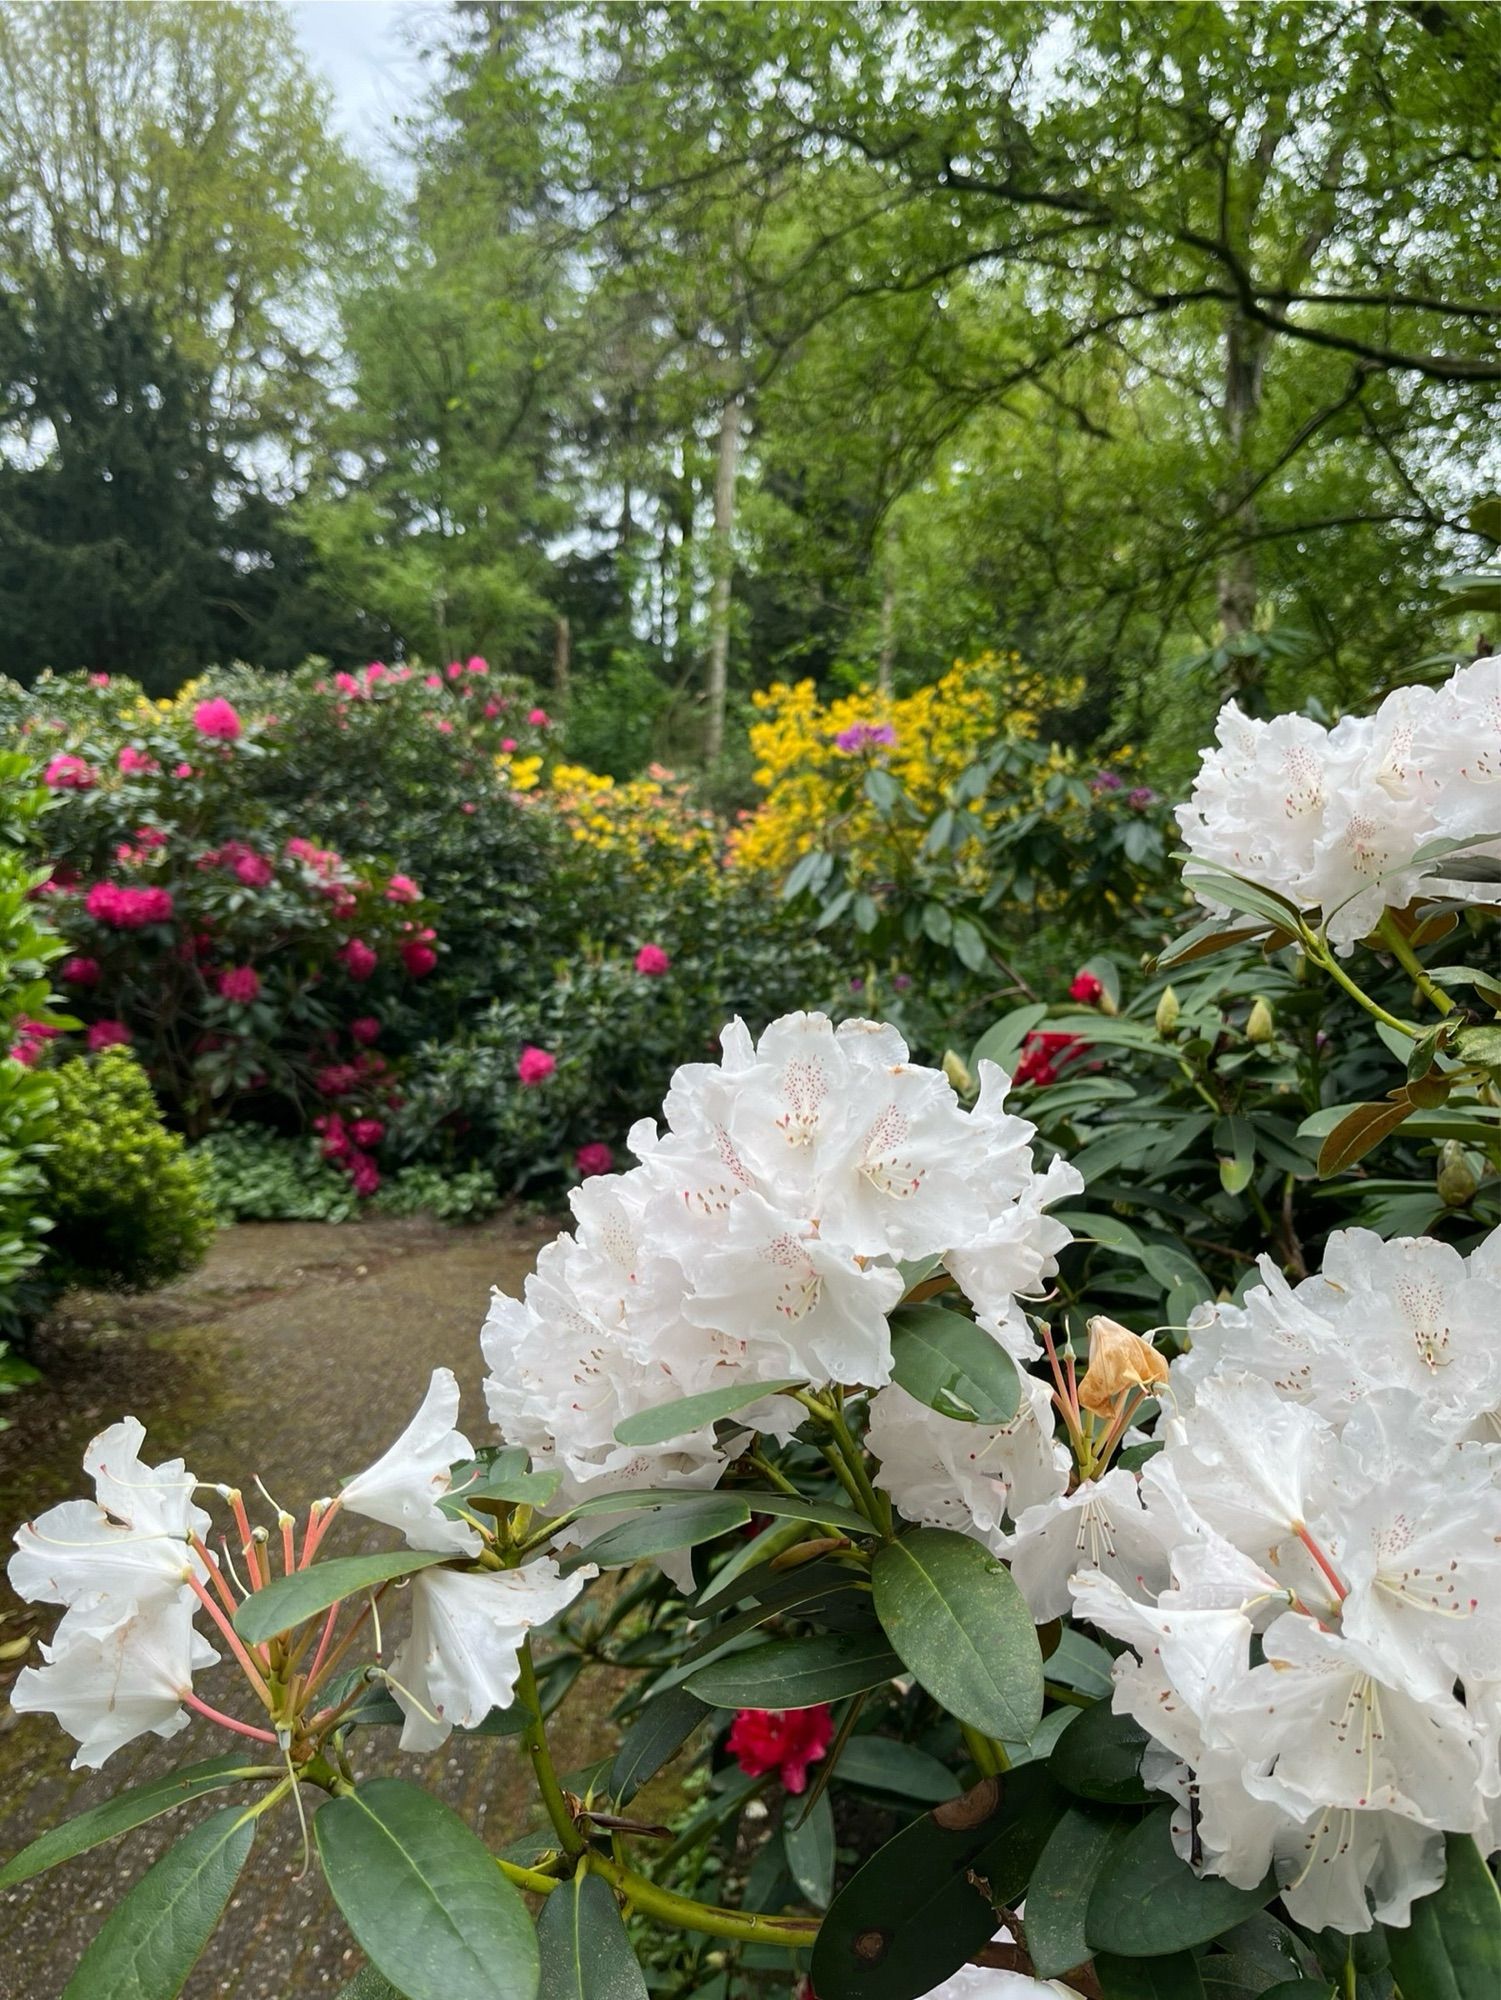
{"x": 957, "y": 1074}
{"x": 1456, "y": 1177}
{"x": 1168, "y": 1011}
{"x": 1260, "y": 1026}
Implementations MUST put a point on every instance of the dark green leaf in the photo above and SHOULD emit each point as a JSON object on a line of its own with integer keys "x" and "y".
{"x": 1147, "y": 1903}
{"x": 1098, "y": 1756}
{"x": 1001, "y": 1042}
{"x": 809, "y": 1845}
{"x": 367, "y": 1984}
{"x": 586, "y": 1954}
{"x": 1299, "y": 1989}
{"x": 883, "y": 1764}
{"x": 288, "y": 1600}
{"x": 659, "y": 1530}
{"x": 1175, "y": 1978}
{"x": 962, "y": 1627}
{"x": 423, "y": 1896}
{"x": 952, "y": 1365}
{"x": 917, "y": 1910}
{"x": 129, "y": 1809}
{"x": 691, "y": 1413}
{"x": 1452, "y": 1948}
{"x": 502, "y": 1478}
{"x": 1058, "y": 1894}
{"x": 151, "y": 1941}
{"x": 654, "y": 1739}
{"x": 797, "y": 1673}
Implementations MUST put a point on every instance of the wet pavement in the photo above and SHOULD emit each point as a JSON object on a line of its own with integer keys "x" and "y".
{"x": 298, "y": 1352}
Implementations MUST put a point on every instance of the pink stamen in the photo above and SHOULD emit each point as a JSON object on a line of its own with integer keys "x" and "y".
{"x": 210, "y": 1563}
{"x": 1331, "y": 1574}
{"x": 288, "y": 1546}
{"x": 227, "y": 1721}
{"x": 328, "y": 1632}
{"x": 233, "y": 1640}
{"x": 317, "y": 1527}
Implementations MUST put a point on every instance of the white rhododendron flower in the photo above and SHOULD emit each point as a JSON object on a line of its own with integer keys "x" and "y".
{"x": 114, "y": 1672}
{"x": 758, "y": 1240}
{"x": 1334, "y": 819}
{"x": 460, "y": 1659}
{"x": 944, "y": 1473}
{"x": 403, "y": 1487}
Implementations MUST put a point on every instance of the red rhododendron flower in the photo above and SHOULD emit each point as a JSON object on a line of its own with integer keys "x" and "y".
{"x": 535, "y": 1065}
{"x": 358, "y": 959}
{"x": 595, "y": 1158}
{"x": 127, "y": 909}
{"x": 785, "y": 1741}
{"x": 1043, "y": 1055}
{"x": 365, "y": 1175}
{"x": 367, "y": 1131}
{"x": 218, "y": 718}
{"x": 132, "y": 761}
{"x": 108, "y": 1035}
{"x": 418, "y": 957}
{"x": 365, "y": 1030}
{"x": 239, "y": 983}
{"x": 1086, "y": 987}
{"x": 652, "y": 960}
{"x": 69, "y": 774}
{"x": 402, "y": 889}
{"x": 80, "y": 971}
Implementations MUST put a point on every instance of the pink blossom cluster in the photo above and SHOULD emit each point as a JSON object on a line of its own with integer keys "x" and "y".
{"x": 347, "y": 1144}
{"x": 126, "y": 908}
{"x": 136, "y": 763}
{"x": 242, "y": 861}
{"x": 69, "y": 774}
{"x": 217, "y": 719}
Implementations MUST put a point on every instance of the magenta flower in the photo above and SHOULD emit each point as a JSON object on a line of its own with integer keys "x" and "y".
{"x": 402, "y": 889}
{"x": 127, "y": 909}
{"x": 418, "y": 956}
{"x": 595, "y": 1158}
{"x": 108, "y": 1035}
{"x": 535, "y": 1066}
{"x": 240, "y": 984}
{"x": 364, "y": 1174}
{"x": 182, "y": 771}
{"x": 1140, "y": 797}
{"x": 69, "y": 774}
{"x": 477, "y": 665}
{"x": 367, "y": 1132}
{"x": 365, "y": 1030}
{"x": 254, "y": 870}
{"x": 358, "y": 959}
{"x": 865, "y": 736}
{"x": 80, "y": 971}
{"x": 539, "y": 718}
{"x": 217, "y": 718}
{"x": 652, "y": 961}
{"x": 508, "y": 743}
{"x": 135, "y": 762}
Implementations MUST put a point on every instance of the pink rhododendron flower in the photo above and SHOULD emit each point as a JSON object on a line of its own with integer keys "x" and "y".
{"x": 652, "y": 961}
{"x": 595, "y": 1158}
{"x": 365, "y": 1030}
{"x": 539, "y": 718}
{"x": 128, "y": 909}
{"x": 367, "y": 1132}
{"x": 69, "y": 774}
{"x": 239, "y": 983}
{"x": 149, "y": 837}
{"x": 477, "y": 665}
{"x": 132, "y": 761}
{"x": 254, "y": 870}
{"x": 99, "y": 680}
{"x": 1086, "y": 987}
{"x": 535, "y": 1066}
{"x": 33, "y": 1037}
{"x": 508, "y": 743}
{"x": 358, "y": 959}
{"x": 364, "y": 1174}
{"x": 347, "y": 684}
{"x": 865, "y": 736}
{"x": 492, "y": 709}
{"x": 418, "y": 957}
{"x": 432, "y": 680}
{"x": 785, "y": 1741}
{"x": 468, "y": 806}
{"x": 182, "y": 771}
{"x": 445, "y": 727}
{"x": 108, "y": 1035}
{"x": 80, "y": 971}
{"x": 402, "y": 889}
{"x": 217, "y": 718}
{"x": 1140, "y": 797}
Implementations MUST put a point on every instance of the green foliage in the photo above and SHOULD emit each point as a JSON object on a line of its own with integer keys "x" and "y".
{"x": 130, "y": 1205}
{"x": 252, "y": 1174}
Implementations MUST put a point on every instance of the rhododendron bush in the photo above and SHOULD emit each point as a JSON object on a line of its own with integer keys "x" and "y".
{"x": 980, "y": 1642}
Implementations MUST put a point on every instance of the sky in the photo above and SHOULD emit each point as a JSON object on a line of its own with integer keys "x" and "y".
{"x": 364, "y": 50}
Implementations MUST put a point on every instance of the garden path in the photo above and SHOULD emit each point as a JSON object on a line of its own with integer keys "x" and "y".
{"x": 298, "y": 1351}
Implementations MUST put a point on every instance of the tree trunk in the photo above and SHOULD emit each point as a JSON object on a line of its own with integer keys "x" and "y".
{"x": 1236, "y": 591}
{"x": 719, "y": 596}
{"x": 562, "y": 661}
{"x": 887, "y": 653}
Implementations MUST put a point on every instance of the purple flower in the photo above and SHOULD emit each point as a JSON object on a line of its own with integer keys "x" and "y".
{"x": 1105, "y": 781}
{"x": 865, "y": 736}
{"x": 1140, "y": 797}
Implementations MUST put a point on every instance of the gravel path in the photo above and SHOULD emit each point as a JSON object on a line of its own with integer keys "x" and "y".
{"x": 299, "y": 1352}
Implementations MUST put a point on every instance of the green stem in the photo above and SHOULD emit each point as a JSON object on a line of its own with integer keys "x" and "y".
{"x": 1392, "y": 937}
{"x": 874, "y": 1506}
{"x": 535, "y": 1738}
{"x": 791, "y": 1933}
{"x": 981, "y": 1754}
{"x": 835, "y": 1461}
{"x": 1322, "y": 956}
{"x": 527, "y": 1878}
{"x": 770, "y": 1472}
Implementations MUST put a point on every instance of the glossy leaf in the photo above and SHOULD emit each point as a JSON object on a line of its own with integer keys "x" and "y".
{"x": 657, "y": 1531}
{"x": 809, "y": 1845}
{"x": 1098, "y": 1756}
{"x": 1147, "y": 1903}
{"x": 1058, "y": 1894}
{"x": 1452, "y": 1948}
{"x": 917, "y": 1910}
{"x": 1364, "y": 1128}
{"x": 952, "y": 1365}
{"x": 423, "y": 1896}
{"x": 368, "y": 1984}
{"x": 288, "y": 1600}
{"x": 130, "y": 1809}
{"x": 963, "y": 1629}
{"x": 1175, "y": 1978}
{"x": 501, "y": 1479}
{"x": 654, "y": 1739}
{"x": 691, "y": 1413}
{"x": 797, "y": 1673}
{"x": 151, "y": 1941}
{"x": 586, "y": 1954}
{"x": 884, "y": 1764}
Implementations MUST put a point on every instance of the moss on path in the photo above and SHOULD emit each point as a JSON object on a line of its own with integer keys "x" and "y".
{"x": 298, "y": 1353}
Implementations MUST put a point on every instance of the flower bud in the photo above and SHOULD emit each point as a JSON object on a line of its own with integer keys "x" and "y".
{"x": 957, "y": 1074}
{"x": 1456, "y": 1177}
{"x": 1259, "y": 1025}
{"x": 1119, "y": 1361}
{"x": 1168, "y": 1011}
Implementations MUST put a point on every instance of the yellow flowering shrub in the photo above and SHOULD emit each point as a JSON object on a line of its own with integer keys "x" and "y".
{"x": 811, "y": 755}
{"x": 646, "y": 819}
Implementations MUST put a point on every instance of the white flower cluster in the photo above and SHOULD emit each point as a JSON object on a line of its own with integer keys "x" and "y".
{"x": 758, "y": 1240}
{"x": 1332, "y": 818}
{"x": 1316, "y": 1623}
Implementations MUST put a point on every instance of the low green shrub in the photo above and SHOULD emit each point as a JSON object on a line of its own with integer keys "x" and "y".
{"x": 255, "y": 1175}
{"x": 130, "y": 1207}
